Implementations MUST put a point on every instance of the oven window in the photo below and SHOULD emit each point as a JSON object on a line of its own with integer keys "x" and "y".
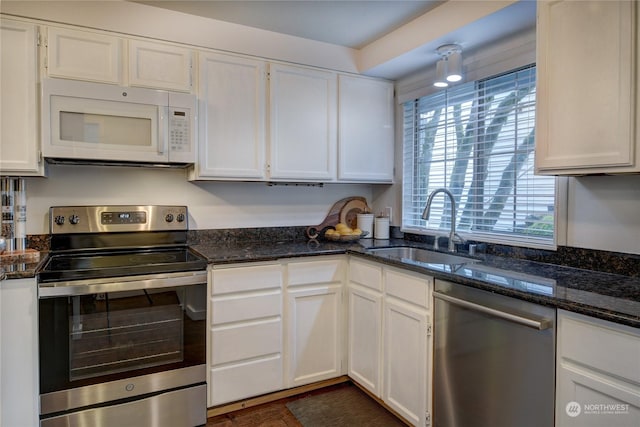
{"x": 94, "y": 338}
{"x": 115, "y": 333}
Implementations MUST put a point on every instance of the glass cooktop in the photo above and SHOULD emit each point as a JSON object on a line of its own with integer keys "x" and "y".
{"x": 83, "y": 265}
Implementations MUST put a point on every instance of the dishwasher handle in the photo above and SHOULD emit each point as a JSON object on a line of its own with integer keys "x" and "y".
{"x": 540, "y": 324}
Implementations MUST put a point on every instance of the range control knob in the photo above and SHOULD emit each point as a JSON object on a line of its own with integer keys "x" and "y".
{"x": 74, "y": 219}
{"x": 59, "y": 219}
{"x": 168, "y": 218}
{"x": 180, "y": 217}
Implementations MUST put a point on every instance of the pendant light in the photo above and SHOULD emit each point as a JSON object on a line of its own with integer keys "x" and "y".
{"x": 441, "y": 74}
{"x": 454, "y": 66}
{"x": 449, "y": 67}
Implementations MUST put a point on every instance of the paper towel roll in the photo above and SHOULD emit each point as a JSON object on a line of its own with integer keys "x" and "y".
{"x": 20, "y": 214}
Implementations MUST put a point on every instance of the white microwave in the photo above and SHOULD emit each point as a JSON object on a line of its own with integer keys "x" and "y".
{"x": 103, "y": 122}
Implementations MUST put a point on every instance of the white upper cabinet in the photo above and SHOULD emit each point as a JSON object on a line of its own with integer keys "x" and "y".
{"x": 365, "y": 129}
{"x": 586, "y": 91}
{"x": 84, "y": 55}
{"x": 157, "y": 65}
{"x": 303, "y": 115}
{"x": 100, "y": 57}
{"x": 19, "y": 141}
{"x": 232, "y": 111}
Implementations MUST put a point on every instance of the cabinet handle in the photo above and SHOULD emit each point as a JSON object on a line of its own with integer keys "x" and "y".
{"x": 540, "y": 324}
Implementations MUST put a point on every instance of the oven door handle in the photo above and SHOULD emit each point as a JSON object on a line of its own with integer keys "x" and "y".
{"x": 120, "y": 284}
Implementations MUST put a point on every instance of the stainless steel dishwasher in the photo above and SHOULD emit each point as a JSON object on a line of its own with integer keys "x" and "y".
{"x": 494, "y": 360}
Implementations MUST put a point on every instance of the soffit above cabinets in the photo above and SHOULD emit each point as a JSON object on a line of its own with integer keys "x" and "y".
{"x": 393, "y": 38}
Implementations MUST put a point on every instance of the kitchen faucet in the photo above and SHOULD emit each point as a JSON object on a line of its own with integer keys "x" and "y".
{"x": 427, "y": 211}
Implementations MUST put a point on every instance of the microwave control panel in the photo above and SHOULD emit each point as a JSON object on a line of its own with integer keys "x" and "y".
{"x": 179, "y": 130}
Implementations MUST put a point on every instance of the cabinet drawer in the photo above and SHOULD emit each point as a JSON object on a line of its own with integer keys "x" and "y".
{"x": 234, "y": 382}
{"x": 239, "y": 279}
{"x": 317, "y": 271}
{"x": 235, "y": 308}
{"x": 608, "y": 347}
{"x": 246, "y": 341}
{"x": 412, "y": 289}
{"x": 365, "y": 274}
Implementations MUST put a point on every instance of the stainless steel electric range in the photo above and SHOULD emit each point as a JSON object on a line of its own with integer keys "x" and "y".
{"x": 122, "y": 319}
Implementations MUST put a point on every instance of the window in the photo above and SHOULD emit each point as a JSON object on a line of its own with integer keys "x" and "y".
{"x": 477, "y": 140}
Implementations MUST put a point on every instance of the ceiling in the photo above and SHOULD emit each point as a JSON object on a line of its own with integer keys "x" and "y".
{"x": 358, "y": 24}
{"x": 347, "y": 23}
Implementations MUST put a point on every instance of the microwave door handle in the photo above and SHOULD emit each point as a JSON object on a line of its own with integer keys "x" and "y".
{"x": 162, "y": 129}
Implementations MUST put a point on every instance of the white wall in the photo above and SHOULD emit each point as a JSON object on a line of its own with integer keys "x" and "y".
{"x": 212, "y": 205}
{"x": 604, "y": 213}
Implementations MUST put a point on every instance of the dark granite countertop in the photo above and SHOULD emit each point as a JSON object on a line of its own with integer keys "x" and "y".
{"x": 607, "y": 296}
{"x": 22, "y": 265}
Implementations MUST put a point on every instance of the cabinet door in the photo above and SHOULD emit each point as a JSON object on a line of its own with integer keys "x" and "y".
{"x": 19, "y": 144}
{"x": 587, "y": 399}
{"x": 315, "y": 333}
{"x": 585, "y": 90}
{"x": 303, "y": 115}
{"x": 84, "y": 55}
{"x": 405, "y": 360}
{"x": 365, "y": 337}
{"x": 161, "y": 66}
{"x": 598, "y": 373}
{"x": 232, "y": 94}
{"x": 19, "y": 353}
{"x": 365, "y": 130}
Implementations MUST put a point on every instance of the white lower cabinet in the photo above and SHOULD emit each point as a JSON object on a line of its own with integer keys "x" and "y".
{"x": 406, "y": 356}
{"x": 365, "y": 324}
{"x": 245, "y": 340}
{"x": 19, "y": 385}
{"x": 274, "y": 326}
{"x": 597, "y": 373}
{"x": 390, "y": 336}
{"x": 315, "y": 320}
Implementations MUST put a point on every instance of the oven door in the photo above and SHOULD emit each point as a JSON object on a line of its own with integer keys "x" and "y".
{"x": 122, "y": 341}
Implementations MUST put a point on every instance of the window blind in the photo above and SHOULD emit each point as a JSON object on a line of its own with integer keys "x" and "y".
{"x": 477, "y": 139}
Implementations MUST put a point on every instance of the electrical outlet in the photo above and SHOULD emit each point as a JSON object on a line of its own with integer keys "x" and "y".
{"x": 387, "y": 213}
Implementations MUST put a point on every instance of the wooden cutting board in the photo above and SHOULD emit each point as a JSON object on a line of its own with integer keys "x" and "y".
{"x": 345, "y": 210}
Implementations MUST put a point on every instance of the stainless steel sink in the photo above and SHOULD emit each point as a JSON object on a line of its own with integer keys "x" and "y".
{"x": 406, "y": 253}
